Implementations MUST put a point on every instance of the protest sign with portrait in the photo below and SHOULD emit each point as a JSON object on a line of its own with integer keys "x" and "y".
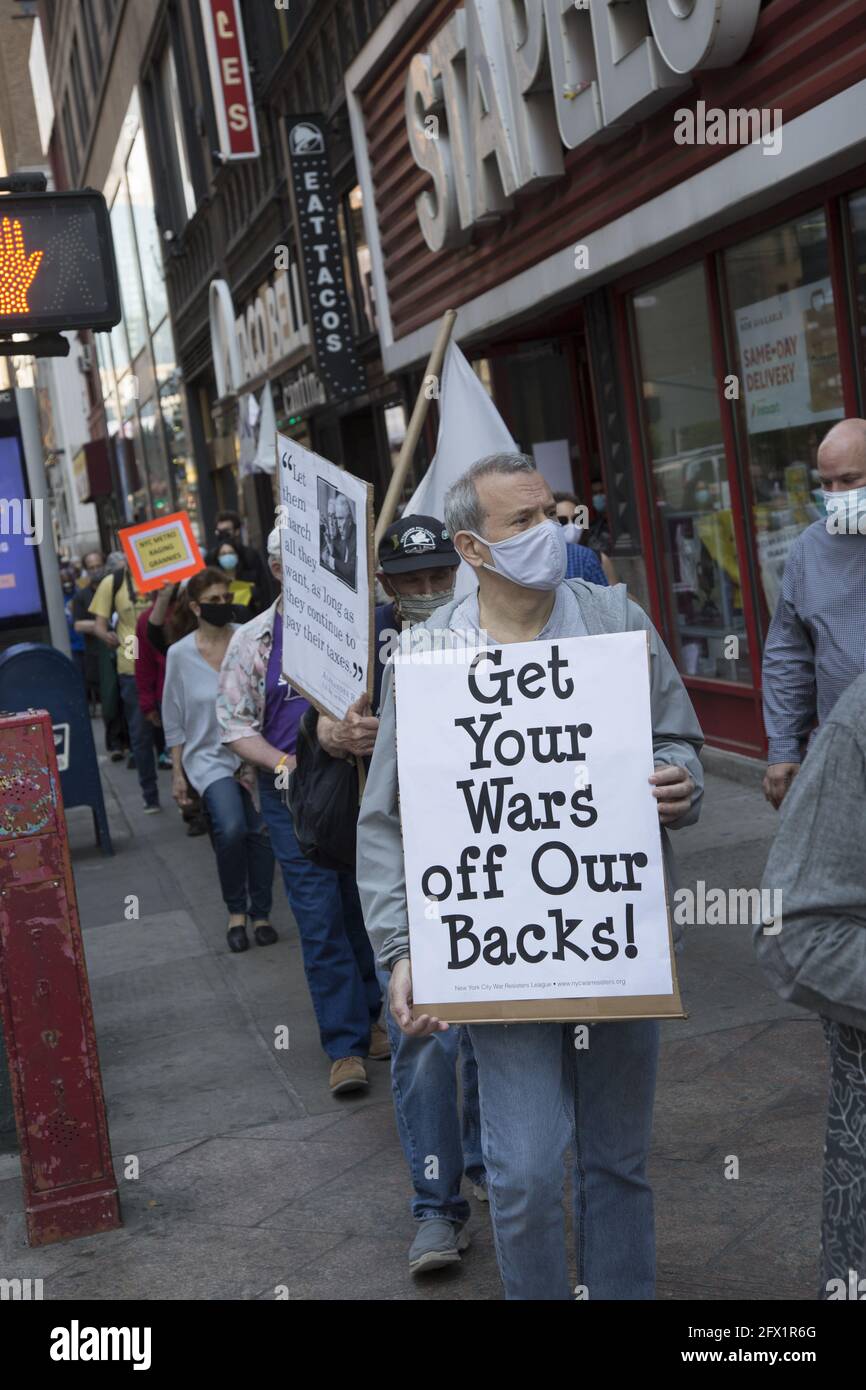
{"x": 534, "y": 875}
{"x": 326, "y": 520}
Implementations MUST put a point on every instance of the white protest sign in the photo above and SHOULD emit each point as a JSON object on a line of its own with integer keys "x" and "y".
{"x": 531, "y": 836}
{"x": 325, "y": 516}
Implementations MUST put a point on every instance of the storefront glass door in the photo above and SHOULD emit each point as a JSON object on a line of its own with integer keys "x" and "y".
{"x": 787, "y": 353}
{"x": 692, "y": 491}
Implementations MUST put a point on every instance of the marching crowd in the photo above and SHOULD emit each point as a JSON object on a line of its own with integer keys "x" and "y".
{"x": 195, "y": 679}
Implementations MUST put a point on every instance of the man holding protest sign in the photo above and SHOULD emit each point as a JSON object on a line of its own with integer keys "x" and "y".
{"x": 417, "y": 570}
{"x": 541, "y": 1088}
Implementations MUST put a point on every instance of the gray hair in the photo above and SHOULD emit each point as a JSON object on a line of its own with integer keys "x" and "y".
{"x": 275, "y": 544}
{"x": 463, "y": 510}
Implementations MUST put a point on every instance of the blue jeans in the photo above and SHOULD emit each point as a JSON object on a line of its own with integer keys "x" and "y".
{"x": 245, "y": 860}
{"x": 543, "y": 1099}
{"x": 424, "y": 1083}
{"x": 338, "y": 958}
{"x": 141, "y": 740}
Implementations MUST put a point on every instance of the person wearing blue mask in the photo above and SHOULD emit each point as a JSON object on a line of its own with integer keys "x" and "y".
{"x": 227, "y": 555}
{"x": 816, "y": 646}
{"x": 541, "y": 1098}
{"x": 583, "y": 562}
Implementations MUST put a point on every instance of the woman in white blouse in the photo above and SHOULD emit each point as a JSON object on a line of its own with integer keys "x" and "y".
{"x": 245, "y": 861}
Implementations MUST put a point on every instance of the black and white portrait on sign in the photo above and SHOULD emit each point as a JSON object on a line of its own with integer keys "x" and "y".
{"x": 338, "y": 534}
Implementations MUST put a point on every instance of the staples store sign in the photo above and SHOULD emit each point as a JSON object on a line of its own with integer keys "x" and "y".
{"x": 230, "y": 79}
{"x": 505, "y": 87}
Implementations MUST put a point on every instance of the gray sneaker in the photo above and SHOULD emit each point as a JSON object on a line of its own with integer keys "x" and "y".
{"x": 437, "y": 1244}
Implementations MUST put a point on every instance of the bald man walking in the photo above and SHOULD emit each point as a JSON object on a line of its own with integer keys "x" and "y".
{"x": 816, "y": 645}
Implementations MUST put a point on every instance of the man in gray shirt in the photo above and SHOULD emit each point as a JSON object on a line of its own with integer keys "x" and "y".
{"x": 816, "y": 645}
{"x": 815, "y": 955}
{"x": 502, "y": 518}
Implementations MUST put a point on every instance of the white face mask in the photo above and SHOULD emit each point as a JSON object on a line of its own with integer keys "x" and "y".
{"x": 417, "y": 608}
{"x": 846, "y": 511}
{"x": 572, "y": 533}
{"x": 534, "y": 559}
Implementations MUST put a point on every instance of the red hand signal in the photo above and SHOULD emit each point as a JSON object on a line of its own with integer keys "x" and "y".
{"x": 17, "y": 269}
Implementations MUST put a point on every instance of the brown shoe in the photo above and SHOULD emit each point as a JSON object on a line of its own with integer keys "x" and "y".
{"x": 380, "y": 1046}
{"x": 348, "y": 1074}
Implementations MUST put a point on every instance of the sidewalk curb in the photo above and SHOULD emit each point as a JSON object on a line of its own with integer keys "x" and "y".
{"x": 748, "y": 772}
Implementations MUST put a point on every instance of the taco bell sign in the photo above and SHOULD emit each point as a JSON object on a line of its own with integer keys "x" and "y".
{"x": 230, "y": 79}
{"x": 340, "y": 368}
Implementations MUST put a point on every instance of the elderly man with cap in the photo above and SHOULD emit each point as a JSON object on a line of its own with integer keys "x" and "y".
{"x": 259, "y": 714}
{"x": 417, "y": 570}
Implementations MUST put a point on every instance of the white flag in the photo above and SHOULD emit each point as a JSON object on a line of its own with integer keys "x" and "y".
{"x": 266, "y": 453}
{"x": 470, "y": 427}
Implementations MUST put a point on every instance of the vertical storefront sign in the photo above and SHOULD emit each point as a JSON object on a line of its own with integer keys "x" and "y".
{"x": 338, "y": 363}
{"x": 230, "y": 79}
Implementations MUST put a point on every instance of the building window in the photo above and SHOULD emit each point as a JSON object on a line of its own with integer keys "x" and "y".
{"x": 857, "y": 223}
{"x": 787, "y": 353}
{"x": 357, "y": 262}
{"x": 82, "y": 108}
{"x": 94, "y": 47}
{"x": 172, "y": 144}
{"x": 266, "y": 31}
{"x": 690, "y": 474}
{"x": 48, "y": 15}
{"x": 146, "y": 231}
{"x": 71, "y": 143}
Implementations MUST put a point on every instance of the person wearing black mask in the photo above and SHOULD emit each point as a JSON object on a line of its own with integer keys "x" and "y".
{"x": 250, "y": 567}
{"x": 245, "y": 861}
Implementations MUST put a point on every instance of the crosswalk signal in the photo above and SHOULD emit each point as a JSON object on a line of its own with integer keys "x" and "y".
{"x": 57, "y": 268}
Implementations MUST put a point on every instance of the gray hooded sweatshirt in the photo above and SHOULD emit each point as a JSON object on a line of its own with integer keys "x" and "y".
{"x": 818, "y": 865}
{"x": 580, "y": 610}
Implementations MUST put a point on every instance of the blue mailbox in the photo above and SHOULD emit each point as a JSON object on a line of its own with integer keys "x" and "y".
{"x": 33, "y": 676}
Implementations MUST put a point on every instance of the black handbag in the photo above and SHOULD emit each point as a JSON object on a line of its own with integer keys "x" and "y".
{"x": 323, "y": 799}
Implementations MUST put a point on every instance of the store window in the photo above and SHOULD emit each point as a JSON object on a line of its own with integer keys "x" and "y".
{"x": 173, "y": 148}
{"x": 146, "y": 231}
{"x": 857, "y": 221}
{"x": 690, "y": 474}
{"x": 357, "y": 262}
{"x": 127, "y": 272}
{"x": 532, "y": 388}
{"x": 784, "y": 327}
{"x": 139, "y": 362}
{"x": 155, "y": 460}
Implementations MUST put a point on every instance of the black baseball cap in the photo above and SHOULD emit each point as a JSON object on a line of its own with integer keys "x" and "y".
{"x": 416, "y": 543}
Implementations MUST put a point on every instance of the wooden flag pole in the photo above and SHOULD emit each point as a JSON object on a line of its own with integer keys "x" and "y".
{"x": 413, "y": 433}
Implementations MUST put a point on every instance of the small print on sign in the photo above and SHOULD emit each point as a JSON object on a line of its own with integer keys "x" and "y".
{"x": 531, "y": 837}
{"x": 161, "y": 551}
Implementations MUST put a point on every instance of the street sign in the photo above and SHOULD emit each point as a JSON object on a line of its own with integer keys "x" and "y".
{"x": 57, "y": 267}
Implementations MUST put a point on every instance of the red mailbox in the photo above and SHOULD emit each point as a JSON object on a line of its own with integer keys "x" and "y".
{"x": 69, "y": 1184}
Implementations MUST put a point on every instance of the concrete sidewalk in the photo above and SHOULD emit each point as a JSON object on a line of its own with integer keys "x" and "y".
{"x": 254, "y": 1179}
